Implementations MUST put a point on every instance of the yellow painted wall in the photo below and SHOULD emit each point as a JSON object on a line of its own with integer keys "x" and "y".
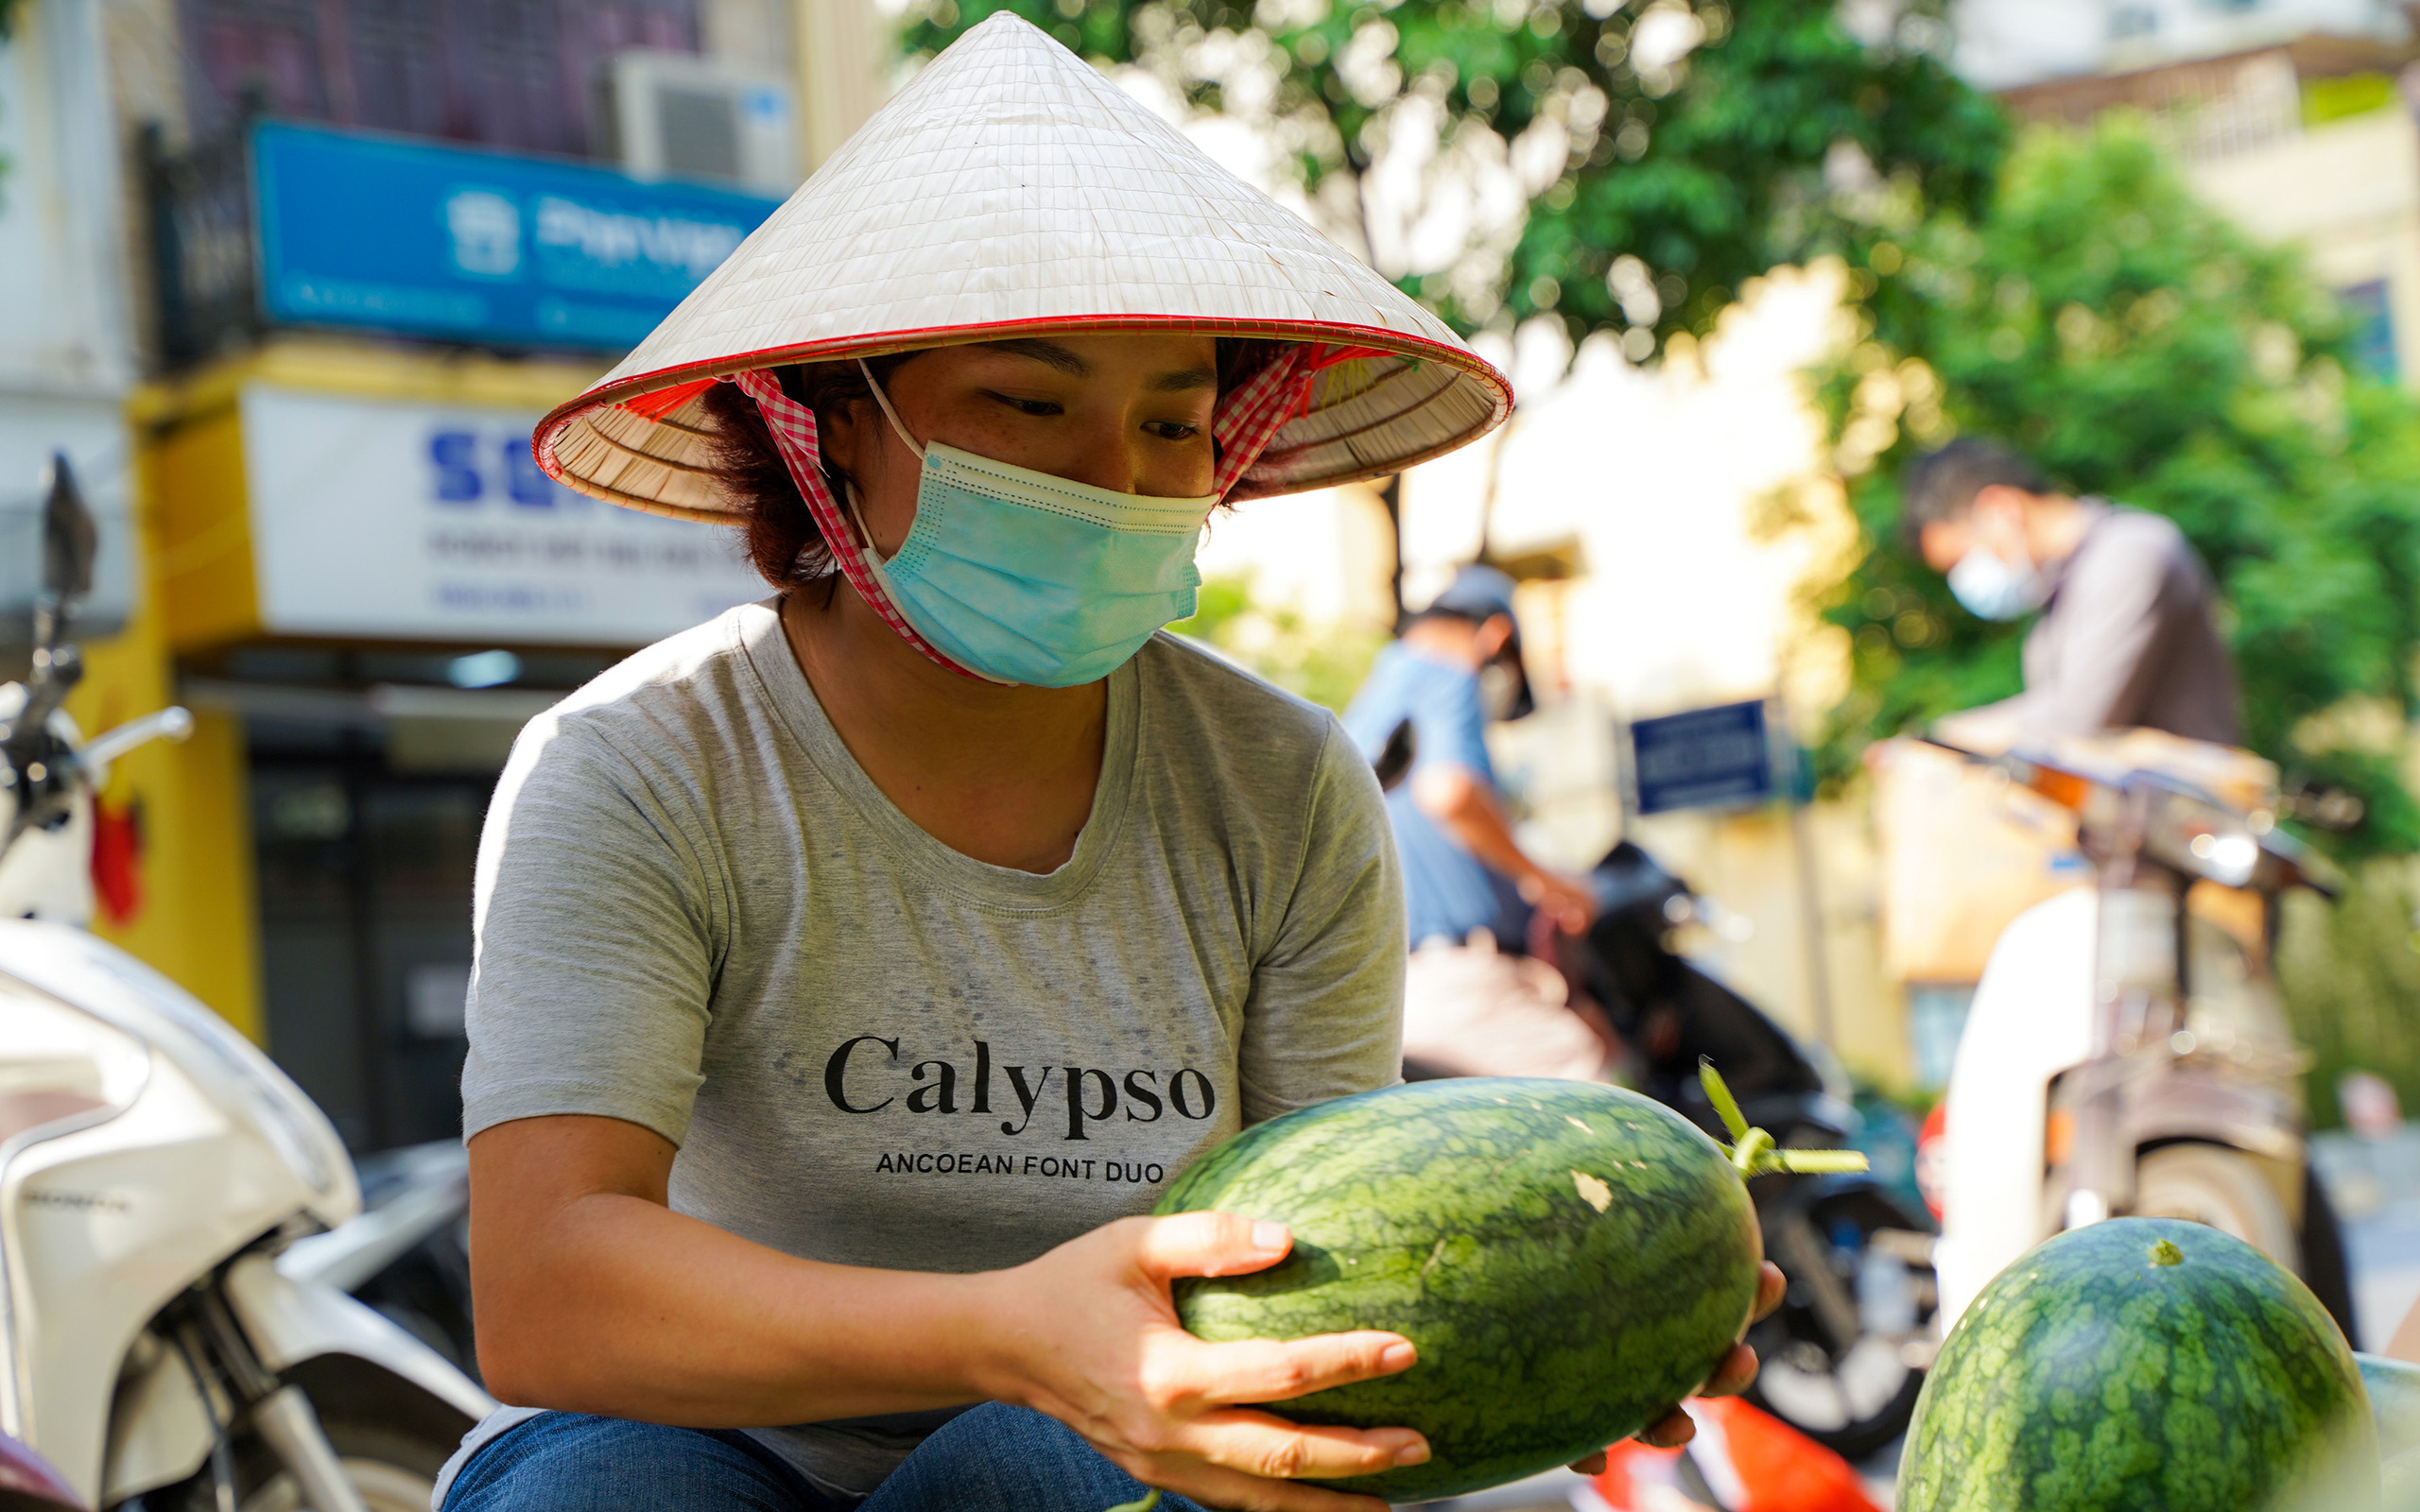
{"x": 1749, "y": 863}
{"x": 197, "y": 921}
{"x": 2348, "y": 191}
{"x": 200, "y": 564}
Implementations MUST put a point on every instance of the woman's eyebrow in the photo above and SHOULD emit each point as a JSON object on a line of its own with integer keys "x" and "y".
{"x": 1183, "y": 380}
{"x": 1067, "y": 360}
{"x": 1049, "y": 353}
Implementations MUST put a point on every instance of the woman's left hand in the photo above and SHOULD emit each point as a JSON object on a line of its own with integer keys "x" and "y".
{"x": 1730, "y": 1378}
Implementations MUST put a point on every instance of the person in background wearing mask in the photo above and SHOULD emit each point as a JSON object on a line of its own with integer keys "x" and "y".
{"x": 1474, "y": 1004}
{"x": 2127, "y": 638}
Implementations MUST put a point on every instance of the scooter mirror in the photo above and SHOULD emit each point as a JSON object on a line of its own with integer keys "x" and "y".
{"x": 69, "y": 540}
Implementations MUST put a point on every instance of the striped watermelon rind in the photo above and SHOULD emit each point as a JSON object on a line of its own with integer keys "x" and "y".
{"x": 2142, "y": 1365}
{"x": 1570, "y": 1260}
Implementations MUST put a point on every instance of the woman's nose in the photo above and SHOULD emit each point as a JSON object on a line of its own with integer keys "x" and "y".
{"x": 1111, "y": 458}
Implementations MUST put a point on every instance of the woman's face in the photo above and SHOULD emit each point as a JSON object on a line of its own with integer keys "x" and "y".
{"x": 1128, "y": 411}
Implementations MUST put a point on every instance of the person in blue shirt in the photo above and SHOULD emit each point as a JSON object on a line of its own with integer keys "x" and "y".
{"x": 1475, "y": 1004}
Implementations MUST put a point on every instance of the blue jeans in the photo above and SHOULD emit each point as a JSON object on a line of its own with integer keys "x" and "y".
{"x": 991, "y": 1459}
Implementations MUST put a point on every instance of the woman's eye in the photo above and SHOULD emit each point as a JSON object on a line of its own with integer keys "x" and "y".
{"x": 1173, "y": 430}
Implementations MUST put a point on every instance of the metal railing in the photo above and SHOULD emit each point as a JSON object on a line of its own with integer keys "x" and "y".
{"x": 205, "y": 250}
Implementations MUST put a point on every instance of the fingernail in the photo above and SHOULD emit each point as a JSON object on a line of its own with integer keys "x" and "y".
{"x": 1398, "y": 1356}
{"x": 1415, "y": 1453}
{"x": 1270, "y": 1236}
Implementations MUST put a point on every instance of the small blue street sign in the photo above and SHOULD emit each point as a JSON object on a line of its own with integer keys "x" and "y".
{"x": 419, "y": 239}
{"x": 1703, "y": 758}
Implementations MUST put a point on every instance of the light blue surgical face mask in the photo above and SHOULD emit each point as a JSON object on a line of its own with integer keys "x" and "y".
{"x": 1992, "y": 589}
{"x": 1020, "y": 577}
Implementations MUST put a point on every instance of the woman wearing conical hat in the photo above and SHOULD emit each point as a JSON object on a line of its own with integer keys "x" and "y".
{"x": 856, "y": 967}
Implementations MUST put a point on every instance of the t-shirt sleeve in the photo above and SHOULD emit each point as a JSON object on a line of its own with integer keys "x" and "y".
{"x": 1325, "y": 1014}
{"x": 594, "y": 958}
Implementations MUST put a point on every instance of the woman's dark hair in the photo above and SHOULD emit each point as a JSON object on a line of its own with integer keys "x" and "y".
{"x": 784, "y": 543}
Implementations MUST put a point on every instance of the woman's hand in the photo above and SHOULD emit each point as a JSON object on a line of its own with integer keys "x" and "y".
{"x": 1089, "y": 1334}
{"x": 1730, "y": 1378}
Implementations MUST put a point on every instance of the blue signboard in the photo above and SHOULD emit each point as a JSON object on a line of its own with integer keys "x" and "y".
{"x": 392, "y": 235}
{"x": 1703, "y": 758}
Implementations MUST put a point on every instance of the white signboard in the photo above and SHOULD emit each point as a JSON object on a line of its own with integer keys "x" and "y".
{"x": 416, "y": 521}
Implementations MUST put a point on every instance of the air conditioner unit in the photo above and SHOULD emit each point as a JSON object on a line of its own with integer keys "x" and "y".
{"x": 676, "y": 115}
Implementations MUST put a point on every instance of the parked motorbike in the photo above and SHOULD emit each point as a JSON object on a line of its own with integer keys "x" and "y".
{"x": 155, "y": 1167}
{"x": 1844, "y": 1356}
{"x": 408, "y": 1253}
{"x": 2128, "y": 1053}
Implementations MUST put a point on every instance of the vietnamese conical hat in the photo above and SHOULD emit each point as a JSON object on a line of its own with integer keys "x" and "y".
{"x": 1011, "y": 190}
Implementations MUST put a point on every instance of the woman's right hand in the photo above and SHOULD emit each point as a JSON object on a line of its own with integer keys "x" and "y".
{"x": 1089, "y": 1334}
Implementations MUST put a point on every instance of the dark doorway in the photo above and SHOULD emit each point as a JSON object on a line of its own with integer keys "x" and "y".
{"x": 365, "y": 878}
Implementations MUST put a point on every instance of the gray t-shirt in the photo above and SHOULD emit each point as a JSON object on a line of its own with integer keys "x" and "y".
{"x": 697, "y": 913}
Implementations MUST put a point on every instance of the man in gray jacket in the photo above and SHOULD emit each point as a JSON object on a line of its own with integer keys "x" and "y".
{"x": 2127, "y": 637}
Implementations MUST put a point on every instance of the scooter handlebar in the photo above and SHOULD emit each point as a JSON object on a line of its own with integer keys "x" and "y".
{"x": 172, "y": 723}
{"x": 2183, "y": 826}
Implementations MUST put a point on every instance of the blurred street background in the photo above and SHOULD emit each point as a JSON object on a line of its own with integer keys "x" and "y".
{"x": 291, "y": 280}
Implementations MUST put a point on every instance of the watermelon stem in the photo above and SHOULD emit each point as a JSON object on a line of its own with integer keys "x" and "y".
{"x": 1718, "y": 1091}
{"x": 1752, "y": 1146}
{"x": 1751, "y": 1151}
{"x": 1149, "y": 1499}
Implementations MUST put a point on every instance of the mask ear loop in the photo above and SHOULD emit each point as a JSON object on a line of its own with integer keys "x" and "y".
{"x": 899, "y": 427}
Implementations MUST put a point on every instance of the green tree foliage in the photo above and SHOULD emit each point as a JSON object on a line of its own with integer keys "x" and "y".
{"x": 2140, "y": 346}
{"x": 1668, "y": 149}
{"x": 1325, "y": 663}
{"x": 2351, "y": 970}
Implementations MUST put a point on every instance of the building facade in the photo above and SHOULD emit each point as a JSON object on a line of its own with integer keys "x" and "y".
{"x": 2300, "y": 118}
{"x": 2005, "y": 44}
{"x": 310, "y": 270}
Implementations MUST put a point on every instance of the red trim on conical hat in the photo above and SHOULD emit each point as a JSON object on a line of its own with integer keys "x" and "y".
{"x": 664, "y": 400}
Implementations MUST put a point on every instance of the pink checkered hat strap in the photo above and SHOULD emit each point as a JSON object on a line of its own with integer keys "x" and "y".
{"x": 792, "y": 425}
{"x": 1250, "y": 414}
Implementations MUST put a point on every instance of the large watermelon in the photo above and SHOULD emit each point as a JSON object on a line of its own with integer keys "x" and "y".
{"x": 1570, "y": 1260}
{"x": 2142, "y": 1365}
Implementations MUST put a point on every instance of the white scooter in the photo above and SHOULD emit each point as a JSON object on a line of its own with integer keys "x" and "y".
{"x": 160, "y": 1348}
{"x": 2125, "y": 1054}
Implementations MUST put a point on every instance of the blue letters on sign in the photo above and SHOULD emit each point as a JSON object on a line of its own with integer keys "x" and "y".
{"x": 465, "y": 467}
{"x": 457, "y": 474}
{"x": 389, "y": 234}
{"x": 523, "y": 478}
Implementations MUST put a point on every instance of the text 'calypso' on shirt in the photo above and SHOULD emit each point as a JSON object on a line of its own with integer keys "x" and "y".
{"x": 1090, "y": 1094}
